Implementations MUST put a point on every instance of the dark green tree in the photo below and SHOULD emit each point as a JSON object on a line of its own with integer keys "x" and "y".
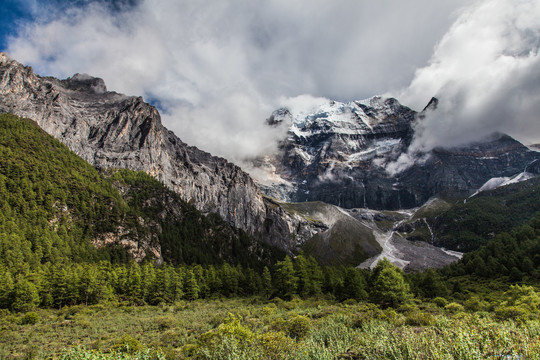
{"x": 285, "y": 278}
{"x": 191, "y": 290}
{"x": 267, "y": 287}
{"x": 25, "y": 296}
{"x": 354, "y": 285}
{"x": 388, "y": 285}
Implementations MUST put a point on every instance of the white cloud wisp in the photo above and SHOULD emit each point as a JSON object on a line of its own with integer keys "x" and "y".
{"x": 217, "y": 69}
{"x": 486, "y": 74}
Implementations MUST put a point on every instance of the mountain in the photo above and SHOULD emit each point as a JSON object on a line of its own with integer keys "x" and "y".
{"x": 335, "y": 157}
{"x": 108, "y": 129}
{"x": 469, "y": 224}
{"x": 338, "y": 153}
{"x": 56, "y": 208}
{"x": 111, "y": 130}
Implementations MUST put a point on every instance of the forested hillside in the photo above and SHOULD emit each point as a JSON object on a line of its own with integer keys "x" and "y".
{"x": 56, "y": 208}
{"x": 72, "y": 237}
{"x": 467, "y": 225}
{"x": 52, "y": 202}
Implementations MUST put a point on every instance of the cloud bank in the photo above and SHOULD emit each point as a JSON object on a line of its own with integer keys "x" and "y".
{"x": 485, "y": 72}
{"x": 217, "y": 69}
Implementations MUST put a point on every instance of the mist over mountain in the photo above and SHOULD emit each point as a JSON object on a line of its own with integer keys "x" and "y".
{"x": 111, "y": 130}
{"x": 215, "y": 72}
{"x": 349, "y": 154}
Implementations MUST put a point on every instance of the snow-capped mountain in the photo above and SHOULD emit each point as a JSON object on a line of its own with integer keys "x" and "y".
{"x": 339, "y": 153}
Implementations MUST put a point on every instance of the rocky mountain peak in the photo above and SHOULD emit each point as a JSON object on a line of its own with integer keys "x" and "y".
{"x": 279, "y": 116}
{"x": 338, "y": 152}
{"x": 432, "y": 104}
{"x": 113, "y": 130}
{"x": 86, "y": 83}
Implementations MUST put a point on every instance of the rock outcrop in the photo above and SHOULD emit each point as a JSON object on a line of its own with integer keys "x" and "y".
{"x": 339, "y": 153}
{"x": 108, "y": 129}
{"x": 111, "y": 130}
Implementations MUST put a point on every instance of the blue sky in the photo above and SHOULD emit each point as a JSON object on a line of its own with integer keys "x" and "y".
{"x": 13, "y": 12}
{"x": 16, "y": 13}
{"x": 218, "y": 68}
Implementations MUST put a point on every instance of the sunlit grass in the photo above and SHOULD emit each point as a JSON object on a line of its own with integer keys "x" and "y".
{"x": 255, "y": 329}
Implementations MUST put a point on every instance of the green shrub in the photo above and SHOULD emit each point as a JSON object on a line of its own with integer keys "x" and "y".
{"x": 269, "y": 310}
{"x": 174, "y": 338}
{"x": 476, "y": 304}
{"x": 454, "y": 308}
{"x": 165, "y": 322}
{"x": 279, "y": 324}
{"x": 127, "y": 344}
{"x": 440, "y": 302}
{"x": 406, "y": 308}
{"x": 298, "y": 327}
{"x": 350, "y": 302}
{"x": 231, "y": 339}
{"x": 419, "y": 318}
{"x": 519, "y": 313}
{"x": 30, "y": 318}
{"x": 276, "y": 345}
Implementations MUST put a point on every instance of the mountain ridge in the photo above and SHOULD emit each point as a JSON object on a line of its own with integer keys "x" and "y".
{"x": 108, "y": 129}
{"x": 112, "y": 130}
{"x": 339, "y": 153}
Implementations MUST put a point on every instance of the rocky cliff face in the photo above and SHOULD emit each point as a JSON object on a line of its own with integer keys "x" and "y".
{"x": 112, "y": 130}
{"x": 338, "y": 152}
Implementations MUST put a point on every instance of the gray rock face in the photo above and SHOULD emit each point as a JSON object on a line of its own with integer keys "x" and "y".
{"x": 338, "y": 153}
{"x": 112, "y": 130}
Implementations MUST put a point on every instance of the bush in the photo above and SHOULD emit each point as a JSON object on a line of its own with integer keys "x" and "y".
{"x": 165, "y": 322}
{"x": 127, "y": 344}
{"x": 230, "y": 339}
{"x": 518, "y": 313}
{"x": 454, "y": 308}
{"x": 440, "y": 302}
{"x": 406, "y": 308}
{"x": 475, "y": 304}
{"x": 269, "y": 310}
{"x": 350, "y": 302}
{"x": 276, "y": 345}
{"x": 419, "y": 318}
{"x": 299, "y": 327}
{"x": 30, "y": 318}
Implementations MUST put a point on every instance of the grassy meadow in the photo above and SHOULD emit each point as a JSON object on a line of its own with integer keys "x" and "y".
{"x": 252, "y": 328}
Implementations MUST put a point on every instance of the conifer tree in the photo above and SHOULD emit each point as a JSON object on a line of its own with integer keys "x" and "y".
{"x": 25, "y": 295}
{"x": 191, "y": 290}
{"x": 286, "y": 280}
{"x": 302, "y": 272}
{"x": 388, "y": 285}
{"x": 267, "y": 288}
{"x": 6, "y": 289}
{"x": 354, "y": 285}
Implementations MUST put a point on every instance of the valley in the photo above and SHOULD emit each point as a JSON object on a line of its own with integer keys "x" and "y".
{"x": 118, "y": 240}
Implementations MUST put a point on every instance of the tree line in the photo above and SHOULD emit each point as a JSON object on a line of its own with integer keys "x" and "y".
{"x": 90, "y": 283}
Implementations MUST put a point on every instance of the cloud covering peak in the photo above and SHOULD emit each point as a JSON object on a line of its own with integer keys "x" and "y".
{"x": 485, "y": 72}
{"x": 217, "y": 69}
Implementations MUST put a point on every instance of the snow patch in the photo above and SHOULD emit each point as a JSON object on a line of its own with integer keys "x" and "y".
{"x": 498, "y": 182}
{"x": 312, "y": 116}
{"x": 378, "y": 148}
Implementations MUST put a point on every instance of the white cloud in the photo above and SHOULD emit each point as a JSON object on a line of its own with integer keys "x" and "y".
{"x": 486, "y": 73}
{"x": 219, "y": 68}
